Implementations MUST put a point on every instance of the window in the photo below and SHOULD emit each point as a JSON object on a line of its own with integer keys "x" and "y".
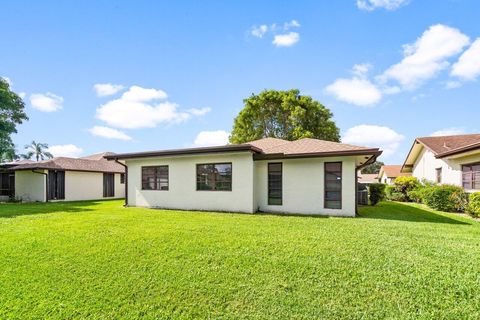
{"x": 56, "y": 185}
{"x": 7, "y": 184}
{"x": 471, "y": 176}
{"x": 333, "y": 185}
{"x": 214, "y": 177}
{"x": 122, "y": 178}
{"x": 438, "y": 172}
{"x": 108, "y": 185}
{"x": 155, "y": 178}
{"x": 275, "y": 184}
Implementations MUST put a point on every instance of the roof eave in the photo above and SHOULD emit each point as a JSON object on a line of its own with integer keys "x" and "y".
{"x": 189, "y": 151}
{"x": 274, "y": 156}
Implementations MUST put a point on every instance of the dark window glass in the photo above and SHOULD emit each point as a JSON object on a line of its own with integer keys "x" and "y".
{"x": 56, "y": 185}
{"x": 439, "y": 175}
{"x": 275, "y": 184}
{"x": 333, "y": 185}
{"x": 108, "y": 185}
{"x": 155, "y": 178}
{"x": 7, "y": 184}
{"x": 122, "y": 178}
{"x": 471, "y": 176}
{"x": 214, "y": 177}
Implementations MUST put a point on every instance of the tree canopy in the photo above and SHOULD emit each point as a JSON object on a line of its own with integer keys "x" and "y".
{"x": 285, "y": 115}
{"x": 373, "y": 168}
{"x": 38, "y": 150}
{"x": 12, "y": 113}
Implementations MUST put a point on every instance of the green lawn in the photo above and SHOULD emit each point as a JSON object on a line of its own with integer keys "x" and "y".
{"x": 100, "y": 260}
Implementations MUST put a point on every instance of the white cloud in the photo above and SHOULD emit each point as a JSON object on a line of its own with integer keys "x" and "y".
{"x": 47, "y": 102}
{"x": 374, "y": 136}
{"x": 140, "y": 108}
{"x": 292, "y": 24}
{"x": 448, "y": 132}
{"x": 286, "y": 40}
{"x": 357, "y": 90}
{"x": 468, "y": 65}
{"x": 8, "y": 80}
{"x": 211, "y": 138}
{"x": 109, "y": 133}
{"x": 371, "y": 5}
{"x": 139, "y": 94}
{"x": 107, "y": 89}
{"x": 259, "y": 31}
{"x": 22, "y": 95}
{"x": 427, "y": 56}
{"x": 453, "y": 84}
{"x": 66, "y": 150}
{"x": 199, "y": 111}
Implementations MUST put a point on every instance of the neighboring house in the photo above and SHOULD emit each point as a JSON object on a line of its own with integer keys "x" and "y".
{"x": 389, "y": 173}
{"x": 306, "y": 176}
{"x": 367, "y": 178}
{"x": 446, "y": 159}
{"x": 62, "y": 178}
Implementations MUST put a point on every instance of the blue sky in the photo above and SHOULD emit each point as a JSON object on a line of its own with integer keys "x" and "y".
{"x": 173, "y": 74}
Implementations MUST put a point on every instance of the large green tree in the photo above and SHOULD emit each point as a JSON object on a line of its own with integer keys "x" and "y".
{"x": 373, "y": 168}
{"x": 285, "y": 115}
{"x": 12, "y": 113}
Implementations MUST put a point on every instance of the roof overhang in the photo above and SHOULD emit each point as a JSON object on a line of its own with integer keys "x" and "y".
{"x": 273, "y": 156}
{"x": 186, "y": 151}
{"x": 412, "y": 156}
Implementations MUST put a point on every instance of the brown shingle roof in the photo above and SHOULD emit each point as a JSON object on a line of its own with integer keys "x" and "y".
{"x": 450, "y": 144}
{"x": 308, "y": 146}
{"x": 368, "y": 177}
{"x": 267, "y": 147}
{"x": 393, "y": 171}
{"x": 73, "y": 164}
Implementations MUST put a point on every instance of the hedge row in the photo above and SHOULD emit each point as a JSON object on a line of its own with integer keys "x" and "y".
{"x": 442, "y": 197}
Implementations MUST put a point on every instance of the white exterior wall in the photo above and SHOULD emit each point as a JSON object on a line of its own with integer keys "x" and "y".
{"x": 303, "y": 186}
{"x": 30, "y": 186}
{"x": 385, "y": 179}
{"x": 182, "y": 192}
{"x": 81, "y": 185}
{"x": 426, "y": 164}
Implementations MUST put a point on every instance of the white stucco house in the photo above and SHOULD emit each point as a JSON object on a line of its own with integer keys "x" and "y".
{"x": 63, "y": 179}
{"x": 306, "y": 176}
{"x": 446, "y": 159}
{"x": 389, "y": 173}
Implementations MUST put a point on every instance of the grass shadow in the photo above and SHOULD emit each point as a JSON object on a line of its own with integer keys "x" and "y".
{"x": 12, "y": 210}
{"x": 405, "y": 212}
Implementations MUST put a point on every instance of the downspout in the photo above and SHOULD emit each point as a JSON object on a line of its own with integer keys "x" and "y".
{"x": 46, "y": 183}
{"x": 126, "y": 181}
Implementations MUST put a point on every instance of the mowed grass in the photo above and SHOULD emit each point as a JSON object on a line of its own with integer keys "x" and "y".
{"x": 102, "y": 261}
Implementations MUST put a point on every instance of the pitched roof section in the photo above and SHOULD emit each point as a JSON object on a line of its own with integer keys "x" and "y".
{"x": 444, "y": 145}
{"x": 267, "y": 148}
{"x": 368, "y": 177}
{"x": 98, "y": 156}
{"x": 393, "y": 171}
{"x": 73, "y": 164}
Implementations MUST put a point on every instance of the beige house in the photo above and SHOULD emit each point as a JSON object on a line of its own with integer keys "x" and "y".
{"x": 306, "y": 176}
{"x": 446, "y": 159}
{"x": 65, "y": 179}
{"x": 389, "y": 173}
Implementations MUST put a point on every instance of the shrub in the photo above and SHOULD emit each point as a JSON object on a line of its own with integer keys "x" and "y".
{"x": 404, "y": 185}
{"x": 473, "y": 207}
{"x": 445, "y": 197}
{"x": 377, "y": 193}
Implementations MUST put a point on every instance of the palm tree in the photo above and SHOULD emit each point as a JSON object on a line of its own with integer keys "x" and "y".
{"x": 37, "y": 149}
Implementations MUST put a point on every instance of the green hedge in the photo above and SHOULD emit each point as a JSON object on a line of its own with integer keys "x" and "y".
{"x": 473, "y": 207}
{"x": 377, "y": 193}
{"x": 445, "y": 197}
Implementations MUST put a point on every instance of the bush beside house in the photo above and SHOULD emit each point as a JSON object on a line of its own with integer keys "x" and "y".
{"x": 473, "y": 207}
{"x": 377, "y": 193}
{"x": 444, "y": 197}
